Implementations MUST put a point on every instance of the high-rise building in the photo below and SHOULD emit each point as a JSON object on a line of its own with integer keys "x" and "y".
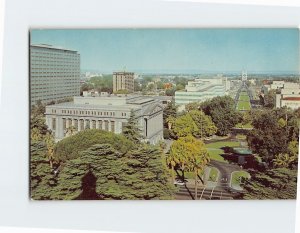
{"x": 123, "y": 81}
{"x": 54, "y": 73}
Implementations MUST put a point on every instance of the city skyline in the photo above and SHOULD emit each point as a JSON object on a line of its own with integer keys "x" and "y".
{"x": 179, "y": 50}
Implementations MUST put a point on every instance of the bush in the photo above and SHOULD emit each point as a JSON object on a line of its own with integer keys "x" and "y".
{"x": 70, "y": 147}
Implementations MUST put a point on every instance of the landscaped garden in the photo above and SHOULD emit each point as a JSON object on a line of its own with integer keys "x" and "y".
{"x": 244, "y": 101}
{"x": 236, "y": 178}
{"x": 216, "y": 149}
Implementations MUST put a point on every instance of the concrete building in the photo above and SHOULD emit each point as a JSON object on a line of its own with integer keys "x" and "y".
{"x": 109, "y": 113}
{"x": 54, "y": 73}
{"x": 289, "y": 96}
{"x": 123, "y": 81}
{"x": 200, "y": 90}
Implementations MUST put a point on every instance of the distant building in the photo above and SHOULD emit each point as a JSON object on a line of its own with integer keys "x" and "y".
{"x": 54, "y": 73}
{"x": 123, "y": 81}
{"x": 244, "y": 76}
{"x": 200, "y": 90}
{"x": 289, "y": 96}
{"x": 110, "y": 113}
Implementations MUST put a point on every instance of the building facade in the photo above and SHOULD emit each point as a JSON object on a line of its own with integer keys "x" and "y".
{"x": 109, "y": 113}
{"x": 289, "y": 96}
{"x": 200, "y": 90}
{"x": 54, "y": 73}
{"x": 123, "y": 81}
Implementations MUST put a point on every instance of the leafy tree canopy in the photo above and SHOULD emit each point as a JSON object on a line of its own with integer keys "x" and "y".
{"x": 70, "y": 147}
{"x": 279, "y": 183}
{"x": 222, "y": 112}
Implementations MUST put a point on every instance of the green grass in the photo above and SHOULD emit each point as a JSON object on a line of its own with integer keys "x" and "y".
{"x": 213, "y": 174}
{"x": 218, "y": 145}
{"x": 215, "y": 151}
{"x": 235, "y": 179}
{"x": 244, "y": 102}
{"x": 241, "y": 136}
{"x": 246, "y": 126}
{"x": 244, "y": 105}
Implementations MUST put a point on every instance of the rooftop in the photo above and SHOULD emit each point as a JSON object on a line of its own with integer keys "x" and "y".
{"x": 47, "y": 46}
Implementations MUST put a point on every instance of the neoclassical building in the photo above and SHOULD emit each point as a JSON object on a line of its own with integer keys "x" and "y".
{"x": 108, "y": 113}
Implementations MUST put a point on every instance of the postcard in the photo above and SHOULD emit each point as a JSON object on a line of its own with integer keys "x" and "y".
{"x": 164, "y": 114}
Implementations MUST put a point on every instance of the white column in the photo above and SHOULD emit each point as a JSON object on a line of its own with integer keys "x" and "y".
{"x": 79, "y": 125}
{"x": 97, "y": 124}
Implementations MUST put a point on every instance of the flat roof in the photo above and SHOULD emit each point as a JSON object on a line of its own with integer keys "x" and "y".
{"x": 47, "y": 46}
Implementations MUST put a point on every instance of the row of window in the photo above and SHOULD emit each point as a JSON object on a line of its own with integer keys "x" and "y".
{"x": 87, "y": 125}
{"x": 87, "y": 112}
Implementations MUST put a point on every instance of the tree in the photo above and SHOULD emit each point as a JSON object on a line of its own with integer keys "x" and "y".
{"x": 101, "y": 172}
{"x": 279, "y": 183}
{"x": 204, "y": 124}
{"x": 180, "y": 87}
{"x": 169, "y": 111}
{"x": 131, "y": 130}
{"x": 269, "y": 99}
{"x": 289, "y": 159}
{"x": 198, "y": 159}
{"x": 50, "y": 144}
{"x": 190, "y": 154}
{"x": 42, "y": 178}
{"x": 71, "y": 147}
{"x": 192, "y": 106}
{"x": 267, "y": 138}
{"x": 222, "y": 112}
{"x": 184, "y": 126}
{"x": 122, "y": 91}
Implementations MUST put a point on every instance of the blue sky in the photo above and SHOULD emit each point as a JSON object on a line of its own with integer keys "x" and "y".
{"x": 180, "y": 50}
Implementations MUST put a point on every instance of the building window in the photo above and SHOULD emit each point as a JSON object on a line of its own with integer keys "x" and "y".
{"x": 64, "y": 125}
{"x": 53, "y": 123}
{"x": 112, "y": 126}
{"x": 81, "y": 124}
{"x": 76, "y": 124}
{"x": 99, "y": 124}
{"x": 93, "y": 124}
{"x": 106, "y": 125}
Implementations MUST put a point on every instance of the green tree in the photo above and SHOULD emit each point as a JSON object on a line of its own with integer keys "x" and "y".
{"x": 198, "y": 158}
{"x": 192, "y": 106}
{"x": 191, "y": 155}
{"x": 70, "y": 147}
{"x": 205, "y": 125}
{"x": 169, "y": 111}
{"x": 222, "y": 112}
{"x": 267, "y": 138}
{"x": 184, "y": 125}
{"x": 138, "y": 174}
{"x": 42, "y": 178}
{"x": 279, "y": 183}
{"x": 131, "y": 130}
{"x": 50, "y": 144}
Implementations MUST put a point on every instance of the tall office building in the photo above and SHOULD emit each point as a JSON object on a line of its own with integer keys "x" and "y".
{"x": 123, "y": 81}
{"x": 54, "y": 73}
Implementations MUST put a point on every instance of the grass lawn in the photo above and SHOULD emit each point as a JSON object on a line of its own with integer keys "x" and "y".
{"x": 247, "y": 126}
{"x": 213, "y": 174}
{"x": 241, "y": 136}
{"x": 244, "y": 105}
{"x": 235, "y": 179}
{"x": 215, "y": 151}
{"x": 244, "y": 98}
